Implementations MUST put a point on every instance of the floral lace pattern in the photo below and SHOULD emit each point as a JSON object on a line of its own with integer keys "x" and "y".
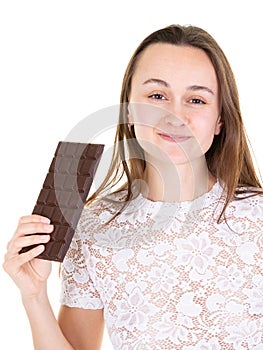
{"x": 168, "y": 276}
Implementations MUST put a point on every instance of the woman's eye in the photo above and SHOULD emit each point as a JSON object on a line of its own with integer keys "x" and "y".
{"x": 196, "y": 101}
{"x": 157, "y": 97}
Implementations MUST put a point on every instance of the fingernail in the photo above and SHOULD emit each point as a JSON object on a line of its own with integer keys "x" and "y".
{"x": 45, "y": 238}
{"x": 40, "y": 249}
{"x": 49, "y": 228}
{"x": 45, "y": 220}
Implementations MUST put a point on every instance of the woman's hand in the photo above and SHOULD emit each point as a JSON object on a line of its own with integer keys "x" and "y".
{"x": 28, "y": 272}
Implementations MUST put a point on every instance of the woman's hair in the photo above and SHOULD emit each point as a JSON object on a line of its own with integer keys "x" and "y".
{"x": 228, "y": 158}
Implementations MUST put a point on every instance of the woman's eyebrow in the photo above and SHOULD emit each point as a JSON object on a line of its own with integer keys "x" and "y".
{"x": 192, "y": 87}
{"x": 200, "y": 87}
{"x": 157, "y": 81}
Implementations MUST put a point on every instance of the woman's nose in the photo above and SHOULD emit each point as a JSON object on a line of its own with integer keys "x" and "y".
{"x": 174, "y": 121}
{"x": 176, "y": 116}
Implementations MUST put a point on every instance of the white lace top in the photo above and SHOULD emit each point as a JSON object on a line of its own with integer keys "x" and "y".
{"x": 168, "y": 275}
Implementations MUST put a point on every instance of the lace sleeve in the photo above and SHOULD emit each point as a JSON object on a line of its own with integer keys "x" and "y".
{"x": 78, "y": 289}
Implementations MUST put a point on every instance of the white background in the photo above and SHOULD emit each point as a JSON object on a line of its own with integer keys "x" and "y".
{"x": 61, "y": 61}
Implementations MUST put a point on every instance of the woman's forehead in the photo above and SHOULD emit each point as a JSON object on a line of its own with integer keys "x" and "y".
{"x": 172, "y": 62}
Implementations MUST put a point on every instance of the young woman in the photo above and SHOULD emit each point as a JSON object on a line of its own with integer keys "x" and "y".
{"x": 173, "y": 258}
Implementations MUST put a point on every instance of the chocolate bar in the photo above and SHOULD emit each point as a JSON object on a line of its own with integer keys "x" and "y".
{"x": 64, "y": 193}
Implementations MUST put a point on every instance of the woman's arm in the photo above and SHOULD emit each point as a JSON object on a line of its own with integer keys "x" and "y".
{"x": 76, "y": 329}
{"x": 80, "y": 329}
{"x": 83, "y": 328}
{"x": 30, "y": 275}
{"x": 46, "y": 332}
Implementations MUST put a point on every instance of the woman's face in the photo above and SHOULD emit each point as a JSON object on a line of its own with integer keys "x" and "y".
{"x": 174, "y": 102}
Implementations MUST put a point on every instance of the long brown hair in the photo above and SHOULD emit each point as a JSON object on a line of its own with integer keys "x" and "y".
{"x": 228, "y": 159}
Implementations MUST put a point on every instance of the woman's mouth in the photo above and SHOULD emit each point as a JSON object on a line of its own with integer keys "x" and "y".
{"x": 174, "y": 138}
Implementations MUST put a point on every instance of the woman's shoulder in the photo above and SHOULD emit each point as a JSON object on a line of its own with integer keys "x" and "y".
{"x": 103, "y": 207}
{"x": 107, "y": 202}
{"x": 96, "y": 214}
{"x": 248, "y": 203}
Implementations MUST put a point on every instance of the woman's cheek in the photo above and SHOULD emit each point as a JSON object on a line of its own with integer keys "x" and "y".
{"x": 143, "y": 132}
{"x": 204, "y": 137}
{"x": 146, "y": 114}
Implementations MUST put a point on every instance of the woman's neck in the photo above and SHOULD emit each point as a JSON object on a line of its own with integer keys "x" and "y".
{"x": 177, "y": 183}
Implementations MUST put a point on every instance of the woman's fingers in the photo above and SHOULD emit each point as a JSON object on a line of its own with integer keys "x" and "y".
{"x": 25, "y": 241}
{"x": 31, "y": 254}
{"x": 13, "y": 265}
{"x": 33, "y": 228}
{"x": 33, "y": 218}
{"x": 27, "y": 272}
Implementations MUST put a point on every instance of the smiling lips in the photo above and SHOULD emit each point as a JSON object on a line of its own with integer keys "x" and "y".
{"x": 174, "y": 138}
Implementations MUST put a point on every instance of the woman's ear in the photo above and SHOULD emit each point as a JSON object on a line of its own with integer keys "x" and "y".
{"x": 219, "y": 124}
